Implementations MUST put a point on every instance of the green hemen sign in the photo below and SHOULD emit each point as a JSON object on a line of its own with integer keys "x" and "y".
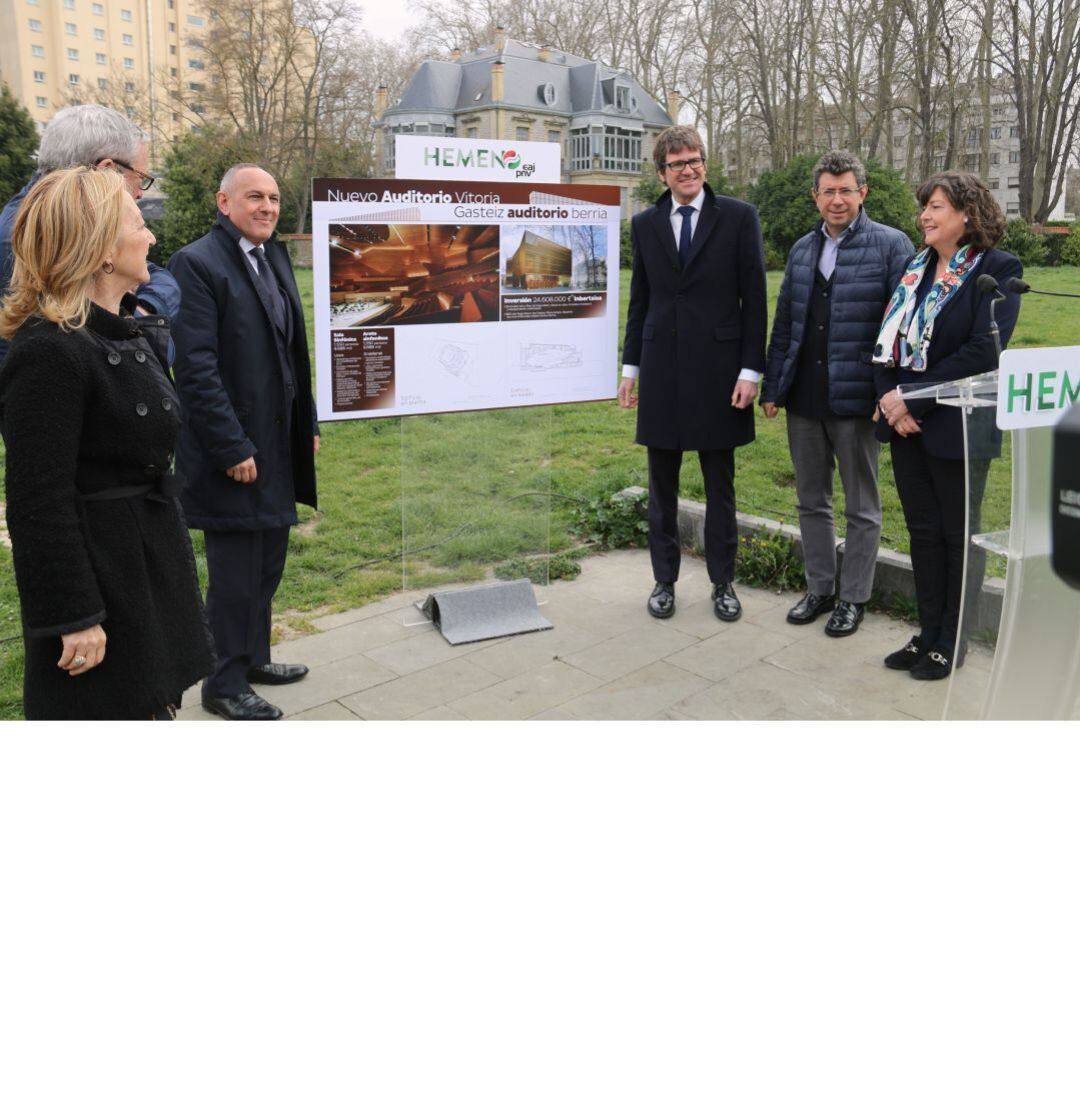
{"x": 1036, "y": 386}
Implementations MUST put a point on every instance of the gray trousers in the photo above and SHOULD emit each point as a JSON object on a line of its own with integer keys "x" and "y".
{"x": 817, "y": 446}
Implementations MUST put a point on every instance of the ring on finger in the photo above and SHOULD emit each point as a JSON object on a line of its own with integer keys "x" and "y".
{"x": 79, "y": 661}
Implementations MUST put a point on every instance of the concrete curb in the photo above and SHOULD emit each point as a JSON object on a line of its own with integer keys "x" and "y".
{"x": 892, "y": 578}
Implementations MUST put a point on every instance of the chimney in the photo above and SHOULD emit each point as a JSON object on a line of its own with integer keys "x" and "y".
{"x": 544, "y": 53}
{"x": 498, "y": 82}
{"x": 500, "y": 38}
{"x": 455, "y": 53}
{"x": 674, "y": 102}
{"x": 381, "y": 100}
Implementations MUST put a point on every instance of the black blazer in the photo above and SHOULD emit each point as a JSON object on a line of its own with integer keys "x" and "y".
{"x": 962, "y": 346}
{"x": 232, "y": 365}
{"x": 691, "y": 331}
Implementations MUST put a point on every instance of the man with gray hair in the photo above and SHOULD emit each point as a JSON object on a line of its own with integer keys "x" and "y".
{"x": 90, "y": 134}
{"x": 837, "y": 281}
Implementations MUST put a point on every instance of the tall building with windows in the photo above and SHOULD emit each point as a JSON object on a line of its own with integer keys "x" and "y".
{"x": 602, "y": 119}
{"x": 135, "y": 55}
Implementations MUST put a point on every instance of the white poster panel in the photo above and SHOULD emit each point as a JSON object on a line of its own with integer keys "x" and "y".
{"x": 1037, "y": 386}
{"x": 434, "y": 297}
{"x": 421, "y": 157}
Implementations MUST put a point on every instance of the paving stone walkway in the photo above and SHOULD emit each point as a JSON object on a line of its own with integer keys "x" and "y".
{"x": 607, "y": 659}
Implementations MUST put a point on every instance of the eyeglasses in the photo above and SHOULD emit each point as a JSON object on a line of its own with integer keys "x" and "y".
{"x": 145, "y": 180}
{"x": 843, "y": 193}
{"x": 692, "y": 163}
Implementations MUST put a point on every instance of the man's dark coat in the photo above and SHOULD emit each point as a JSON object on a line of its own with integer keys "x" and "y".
{"x": 231, "y": 370}
{"x": 692, "y": 330}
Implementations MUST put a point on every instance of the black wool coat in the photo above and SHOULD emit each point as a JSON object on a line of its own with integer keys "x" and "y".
{"x": 691, "y": 332}
{"x": 961, "y": 346}
{"x": 83, "y": 412}
{"x": 233, "y": 368}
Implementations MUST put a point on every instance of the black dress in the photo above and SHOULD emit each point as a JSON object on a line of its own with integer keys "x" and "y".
{"x": 90, "y": 420}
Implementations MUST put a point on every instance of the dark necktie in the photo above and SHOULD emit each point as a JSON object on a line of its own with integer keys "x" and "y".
{"x": 684, "y": 234}
{"x": 269, "y": 280}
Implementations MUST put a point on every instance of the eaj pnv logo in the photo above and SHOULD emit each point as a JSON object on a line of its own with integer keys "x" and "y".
{"x": 480, "y": 158}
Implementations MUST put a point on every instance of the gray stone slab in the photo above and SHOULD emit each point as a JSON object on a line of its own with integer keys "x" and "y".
{"x": 630, "y": 651}
{"x": 423, "y": 646}
{"x": 420, "y": 691}
{"x": 519, "y": 654}
{"x": 642, "y": 693}
{"x": 718, "y": 656}
{"x": 441, "y": 713}
{"x": 331, "y": 711}
{"x": 528, "y": 694}
{"x": 321, "y": 648}
{"x": 327, "y": 683}
{"x": 397, "y": 601}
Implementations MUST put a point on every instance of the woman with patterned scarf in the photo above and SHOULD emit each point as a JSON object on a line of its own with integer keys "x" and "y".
{"x": 937, "y": 329}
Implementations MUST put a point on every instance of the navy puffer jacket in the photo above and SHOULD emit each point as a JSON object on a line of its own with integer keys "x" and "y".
{"x": 869, "y": 263}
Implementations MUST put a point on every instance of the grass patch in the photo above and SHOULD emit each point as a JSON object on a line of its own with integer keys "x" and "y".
{"x": 477, "y": 485}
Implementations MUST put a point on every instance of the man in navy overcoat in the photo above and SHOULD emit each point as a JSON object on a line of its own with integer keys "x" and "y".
{"x": 249, "y": 437}
{"x": 695, "y": 342}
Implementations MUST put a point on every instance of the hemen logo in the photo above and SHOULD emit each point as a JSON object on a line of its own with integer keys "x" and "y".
{"x": 481, "y": 158}
{"x": 1035, "y": 386}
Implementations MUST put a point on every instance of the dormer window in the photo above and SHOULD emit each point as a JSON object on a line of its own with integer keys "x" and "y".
{"x": 622, "y": 97}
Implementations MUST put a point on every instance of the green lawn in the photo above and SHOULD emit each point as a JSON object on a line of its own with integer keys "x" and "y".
{"x": 474, "y": 484}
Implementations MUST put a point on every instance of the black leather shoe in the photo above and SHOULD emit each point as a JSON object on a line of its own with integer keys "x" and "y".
{"x": 845, "y": 619}
{"x": 662, "y": 600}
{"x": 938, "y": 662}
{"x": 244, "y": 707}
{"x": 906, "y": 657}
{"x": 810, "y": 607}
{"x": 277, "y": 674}
{"x": 725, "y": 605}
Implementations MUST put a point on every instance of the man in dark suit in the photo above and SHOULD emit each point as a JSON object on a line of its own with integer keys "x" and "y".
{"x": 695, "y": 342}
{"x": 249, "y": 437}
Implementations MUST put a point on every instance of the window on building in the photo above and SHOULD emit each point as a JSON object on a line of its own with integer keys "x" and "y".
{"x": 195, "y": 63}
{"x": 522, "y": 134}
{"x": 1014, "y": 157}
{"x": 127, "y": 40}
{"x": 73, "y": 54}
{"x": 1012, "y": 209}
{"x": 971, "y": 161}
{"x": 614, "y": 149}
{"x": 195, "y": 43}
{"x": 170, "y": 4}
{"x": 32, "y": 3}
{"x": 195, "y": 21}
{"x": 470, "y": 132}
{"x": 554, "y": 136}
{"x": 1014, "y": 132}
{"x": 1014, "y": 182}
{"x": 70, "y": 29}
{"x": 995, "y": 132}
{"x": 37, "y": 51}
{"x": 172, "y": 71}
{"x": 39, "y": 76}
{"x": 129, "y": 63}
{"x": 73, "y": 78}
{"x": 993, "y": 185}
{"x": 129, "y": 86}
{"x": 898, "y": 139}
{"x": 125, "y": 14}
{"x": 103, "y": 83}
{"x": 69, "y": 4}
{"x": 172, "y": 48}
{"x": 622, "y": 97}
{"x": 41, "y": 101}
{"x": 97, "y": 9}
{"x": 172, "y": 28}
{"x": 99, "y": 34}
{"x": 35, "y": 24}
{"x": 101, "y": 59}
{"x": 995, "y": 159}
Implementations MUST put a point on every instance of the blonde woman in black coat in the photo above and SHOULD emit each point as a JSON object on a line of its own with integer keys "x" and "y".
{"x": 112, "y": 620}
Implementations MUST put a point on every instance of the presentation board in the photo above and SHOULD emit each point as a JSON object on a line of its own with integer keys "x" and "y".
{"x": 440, "y": 296}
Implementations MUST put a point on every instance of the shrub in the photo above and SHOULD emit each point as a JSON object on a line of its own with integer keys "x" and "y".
{"x": 770, "y": 560}
{"x": 612, "y": 521}
{"x": 1070, "y": 248}
{"x": 1024, "y": 243}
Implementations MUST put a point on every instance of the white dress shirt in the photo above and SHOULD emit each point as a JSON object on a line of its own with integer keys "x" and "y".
{"x": 630, "y": 371}
{"x": 827, "y": 260}
{"x": 248, "y": 247}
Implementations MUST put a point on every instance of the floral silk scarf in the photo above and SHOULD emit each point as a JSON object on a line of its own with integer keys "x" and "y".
{"x": 907, "y": 327}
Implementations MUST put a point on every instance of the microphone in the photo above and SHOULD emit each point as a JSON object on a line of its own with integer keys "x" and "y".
{"x": 1022, "y": 287}
{"x": 986, "y": 283}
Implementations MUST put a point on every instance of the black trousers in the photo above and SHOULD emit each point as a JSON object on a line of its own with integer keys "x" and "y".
{"x": 932, "y": 494}
{"x": 244, "y": 570}
{"x": 721, "y": 532}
